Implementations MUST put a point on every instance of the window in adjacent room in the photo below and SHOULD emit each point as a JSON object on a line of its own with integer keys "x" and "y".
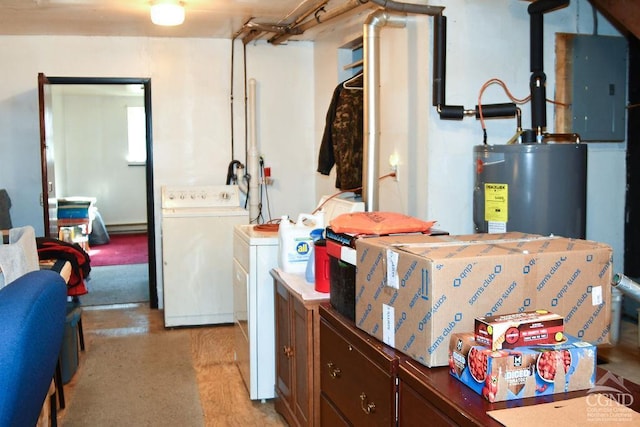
{"x": 136, "y": 123}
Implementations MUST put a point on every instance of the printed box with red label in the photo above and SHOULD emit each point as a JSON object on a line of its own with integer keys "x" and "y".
{"x": 518, "y": 329}
{"x": 413, "y": 292}
{"x": 520, "y": 372}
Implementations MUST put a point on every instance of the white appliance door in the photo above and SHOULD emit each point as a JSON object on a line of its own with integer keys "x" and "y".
{"x": 241, "y": 337}
{"x": 197, "y": 269}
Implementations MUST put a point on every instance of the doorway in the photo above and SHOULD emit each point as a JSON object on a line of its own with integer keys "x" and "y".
{"x": 104, "y": 88}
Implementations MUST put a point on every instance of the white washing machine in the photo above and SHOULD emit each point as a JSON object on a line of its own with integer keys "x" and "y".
{"x": 197, "y": 253}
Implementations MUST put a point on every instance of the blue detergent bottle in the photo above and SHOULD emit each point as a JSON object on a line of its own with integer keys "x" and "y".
{"x": 310, "y": 272}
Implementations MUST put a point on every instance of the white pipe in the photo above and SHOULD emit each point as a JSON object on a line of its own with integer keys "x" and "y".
{"x": 371, "y": 152}
{"x": 252, "y": 155}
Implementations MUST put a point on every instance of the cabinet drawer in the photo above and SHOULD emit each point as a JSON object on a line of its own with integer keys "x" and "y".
{"x": 363, "y": 391}
{"x": 241, "y": 252}
{"x": 413, "y": 409}
{"x": 329, "y": 415}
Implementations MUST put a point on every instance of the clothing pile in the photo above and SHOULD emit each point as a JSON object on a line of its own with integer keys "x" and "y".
{"x": 49, "y": 248}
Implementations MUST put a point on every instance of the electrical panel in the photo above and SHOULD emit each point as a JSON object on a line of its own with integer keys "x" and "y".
{"x": 598, "y": 87}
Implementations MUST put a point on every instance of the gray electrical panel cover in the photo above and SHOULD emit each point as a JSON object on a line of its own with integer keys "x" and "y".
{"x": 599, "y": 87}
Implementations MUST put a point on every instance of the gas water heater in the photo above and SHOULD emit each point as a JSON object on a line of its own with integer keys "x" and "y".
{"x": 538, "y": 185}
{"x": 532, "y": 188}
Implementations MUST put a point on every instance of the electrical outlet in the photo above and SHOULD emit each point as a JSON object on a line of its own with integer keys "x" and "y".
{"x": 394, "y": 162}
{"x": 396, "y": 170}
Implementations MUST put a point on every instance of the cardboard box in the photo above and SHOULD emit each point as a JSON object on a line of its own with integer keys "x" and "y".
{"x": 413, "y": 292}
{"x": 518, "y": 329}
{"x": 522, "y": 372}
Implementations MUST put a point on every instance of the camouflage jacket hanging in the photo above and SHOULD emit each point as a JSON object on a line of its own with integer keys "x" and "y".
{"x": 343, "y": 138}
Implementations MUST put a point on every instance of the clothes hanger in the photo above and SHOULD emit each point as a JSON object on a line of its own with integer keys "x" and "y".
{"x": 345, "y": 84}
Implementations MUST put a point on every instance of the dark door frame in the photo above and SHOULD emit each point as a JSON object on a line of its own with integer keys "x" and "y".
{"x": 151, "y": 241}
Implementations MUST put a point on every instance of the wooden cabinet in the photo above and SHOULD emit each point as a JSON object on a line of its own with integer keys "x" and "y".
{"x": 297, "y": 350}
{"x": 363, "y": 382}
{"x": 357, "y": 375}
{"x": 419, "y": 398}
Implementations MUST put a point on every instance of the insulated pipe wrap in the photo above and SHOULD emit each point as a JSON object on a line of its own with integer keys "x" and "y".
{"x": 497, "y": 110}
{"x": 439, "y": 59}
{"x": 452, "y": 112}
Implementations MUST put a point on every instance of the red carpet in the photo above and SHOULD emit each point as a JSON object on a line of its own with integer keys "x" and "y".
{"x": 122, "y": 249}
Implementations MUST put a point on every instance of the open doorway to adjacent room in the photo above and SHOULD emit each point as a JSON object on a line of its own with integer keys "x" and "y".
{"x": 97, "y": 143}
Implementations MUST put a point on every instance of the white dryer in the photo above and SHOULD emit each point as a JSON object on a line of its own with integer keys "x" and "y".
{"x": 197, "y": 253}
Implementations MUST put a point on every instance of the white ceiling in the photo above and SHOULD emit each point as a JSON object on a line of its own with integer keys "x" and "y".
{"x": 204, "y": 18}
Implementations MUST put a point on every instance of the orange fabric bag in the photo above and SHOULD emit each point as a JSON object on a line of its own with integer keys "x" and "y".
{"x": 378, "y": 223}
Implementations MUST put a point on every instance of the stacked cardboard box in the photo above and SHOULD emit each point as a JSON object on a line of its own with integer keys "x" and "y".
{"x": 518, "y": 329}
{"x": 521, "y": 372}
{"x": 414, "y": 291}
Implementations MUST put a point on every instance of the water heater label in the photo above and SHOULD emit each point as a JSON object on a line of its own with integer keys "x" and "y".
{"x": 496, "y": 202}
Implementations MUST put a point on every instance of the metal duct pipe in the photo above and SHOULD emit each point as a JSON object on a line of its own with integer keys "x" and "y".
{"x": 252, "y": 155}
{"x": 371, "y": 152}
{"x": 420, "y": 9}
{"x": 621, "y": 284}
{"x": 371, "y": 47}
{"x": 616, "y": 315}
{"x": 626, "y": 285}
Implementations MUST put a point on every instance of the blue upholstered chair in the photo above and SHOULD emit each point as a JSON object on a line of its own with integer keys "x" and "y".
{"x": 32, "y": 320}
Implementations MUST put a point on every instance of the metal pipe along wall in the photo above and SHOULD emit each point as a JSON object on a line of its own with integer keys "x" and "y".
{"x": 371, "y": 152}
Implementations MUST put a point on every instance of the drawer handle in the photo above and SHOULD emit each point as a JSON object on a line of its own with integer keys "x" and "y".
{"x": 367, "y": 408}
{"x": 334, "y": 371}
{"x": 288, "y": 351}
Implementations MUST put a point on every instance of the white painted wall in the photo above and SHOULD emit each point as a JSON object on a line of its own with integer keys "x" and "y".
{"x": 485, "y": 40}
{"x": 190, "y": 84}
{"x": 285, "y": 109}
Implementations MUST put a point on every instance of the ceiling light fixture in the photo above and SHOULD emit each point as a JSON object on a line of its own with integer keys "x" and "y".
{"x": 167, "y": 12}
